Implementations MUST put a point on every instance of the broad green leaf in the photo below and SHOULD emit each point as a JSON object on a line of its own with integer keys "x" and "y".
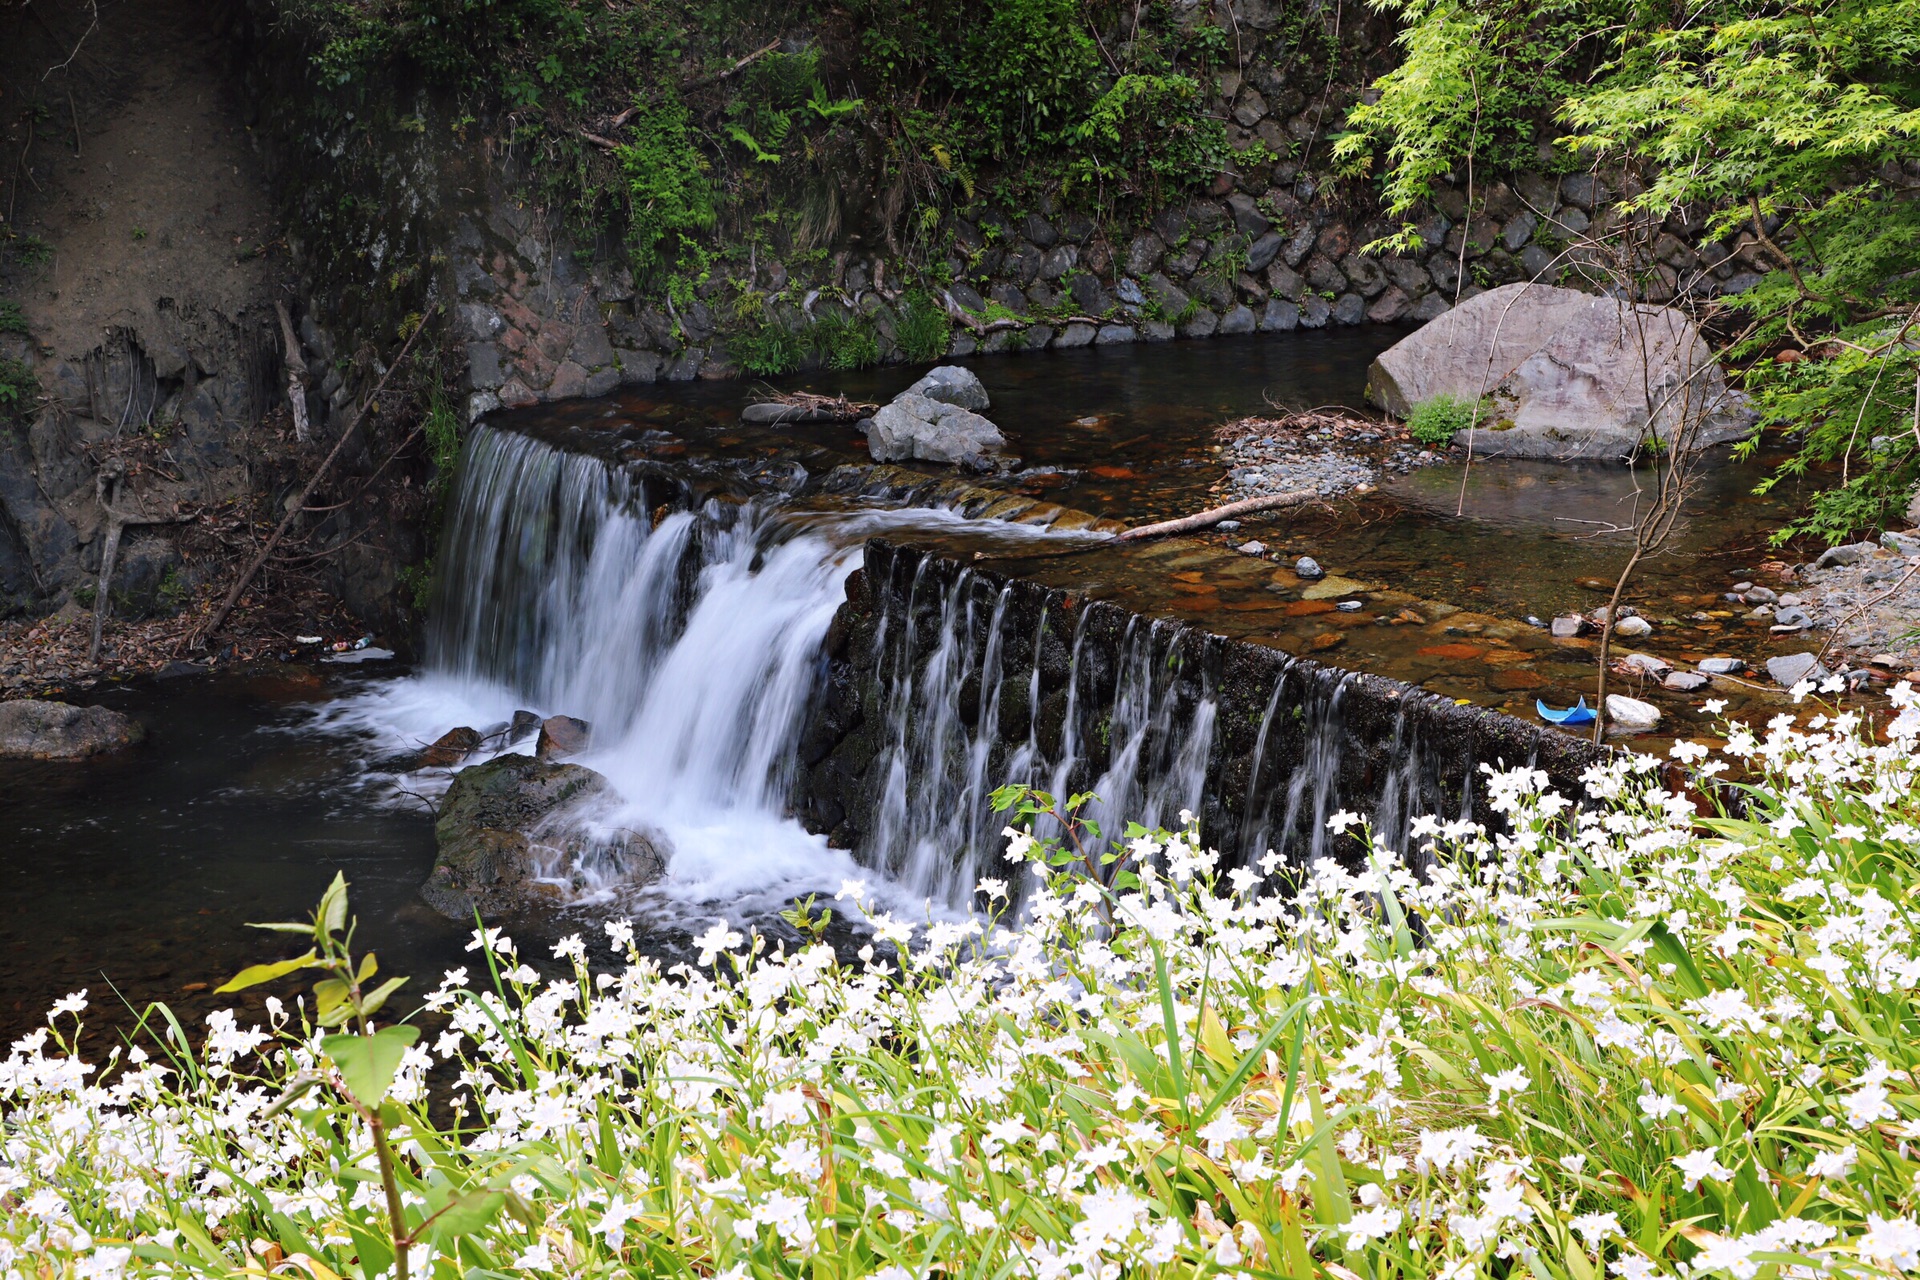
{"x": 254, "y": 975}
{"x": 368, "y": 1063}
{"x": 332, "y": 914}
{"x": 467, "y": 1212}
{"x": 372, "y": 1003}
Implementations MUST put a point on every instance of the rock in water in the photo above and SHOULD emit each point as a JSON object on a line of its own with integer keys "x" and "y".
{"x": 1564, "y": 375}
{"x": 1308, "y": 568}
{"x": 914, "y": 426}
{"x": 32, "y": 730}
{"x": 1632, "y": 627}
{"x": 450, "y": 748}
{"x": 1685, "y": 681}
{"x": 525, "y": 724}
{"x": 1630, "y": 715}
{"x": 562, "y": 736}
{"x": 515, "y": 825}
{"x": 1792, "y": 668}
{"x": 1722, "y": 666}
{"x": 1568, "y": 626}
{"x": 951, "y": 384}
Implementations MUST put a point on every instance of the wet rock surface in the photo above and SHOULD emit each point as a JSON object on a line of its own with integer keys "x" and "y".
{"x": 504, "y": 823}
{"x": 35, "y": 730}
{"x": 1869, "y": 594}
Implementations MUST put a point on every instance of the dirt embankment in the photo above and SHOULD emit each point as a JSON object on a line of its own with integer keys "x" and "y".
{"x": 141, "y": 258}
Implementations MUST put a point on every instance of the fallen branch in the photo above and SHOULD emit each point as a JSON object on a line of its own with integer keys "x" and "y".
{"x": 733, "y": 70}
{"x": 1207, "y": 519}
{"x": 297, "y": 508}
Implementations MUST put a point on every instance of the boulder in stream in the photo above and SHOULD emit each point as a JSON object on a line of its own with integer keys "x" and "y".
{"x": 952, "y": 384}
{"x": 513, "y": 831}
{"x": 35, "y": 730}
{"x": 1563, "y": 375}
{"x": 919, "y": 427}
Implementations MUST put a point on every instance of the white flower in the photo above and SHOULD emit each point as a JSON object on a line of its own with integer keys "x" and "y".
{"x": 537, "y": 1258}
{"x": 1833, "y": 1164}
{"x": 1372, "y": 1224}
{"x": 1895, "y": 1240}
{"x": 1596, "y": 1227}
{"x": 1702, "y": 1164}
{"x": 716, "y": 940}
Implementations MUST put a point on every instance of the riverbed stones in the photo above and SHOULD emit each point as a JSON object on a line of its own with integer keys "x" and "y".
{"x": 1630, "y": 715}
{"x": 1308, "y": 568}
{"x": 1722, "y": 666}
{"x": 1790, "y": 669}
{"x": 37, "y": 730}
{"x": 1632, "y": 627}
{"x": 1685, "y": 681}
{"x": 510, "y": 831}
{"x": 1565, "y": 375}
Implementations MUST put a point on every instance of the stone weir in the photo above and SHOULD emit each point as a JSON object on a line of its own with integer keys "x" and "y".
{"x": 944, "y": 680}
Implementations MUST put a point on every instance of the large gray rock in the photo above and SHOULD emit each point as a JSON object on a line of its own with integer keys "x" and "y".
{"x": 951, "y": 384}
{"x": 515, "y": 831}
{"x": 916, "y": 427}
{"x": 31, "y": 730}
{"x": 1565, "y": 375}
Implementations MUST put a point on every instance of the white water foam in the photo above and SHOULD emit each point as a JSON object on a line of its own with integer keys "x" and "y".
{"x": 692, "y": 648}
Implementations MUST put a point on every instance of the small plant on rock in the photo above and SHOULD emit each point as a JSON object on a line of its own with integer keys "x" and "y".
{"x": 1436, "y": 421}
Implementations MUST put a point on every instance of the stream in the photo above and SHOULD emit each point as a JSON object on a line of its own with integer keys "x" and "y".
{"x": 692, "y": 638}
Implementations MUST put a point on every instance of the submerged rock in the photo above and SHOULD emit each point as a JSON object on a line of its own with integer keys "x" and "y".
{"x": 1309, "y": 568}
{"x": 1630, "y": 715}
{"x": 512, "y": 830}
{"x": 1792, "y": 668}
{"x": 1722, "y": 666}
{"x": 1564, "y": 375}
{"x": 33, "y": 730}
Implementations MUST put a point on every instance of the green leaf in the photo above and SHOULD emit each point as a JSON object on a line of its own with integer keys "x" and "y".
{"x": 1668, "y": 950}
{"x": 254, "y": 975}
{"x": 465, "y": 1213}
{"x": 332, "y": 915}
{"x": 374, "y": 1001}
{"x": 368, "y": 1063}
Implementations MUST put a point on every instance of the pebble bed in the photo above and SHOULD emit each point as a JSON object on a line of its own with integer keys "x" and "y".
{"x": 1317, "y": 452}
{"x": 1836, "y": 586}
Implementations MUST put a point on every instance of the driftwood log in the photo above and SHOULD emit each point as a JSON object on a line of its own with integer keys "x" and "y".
{"x": 1207, "y": 519}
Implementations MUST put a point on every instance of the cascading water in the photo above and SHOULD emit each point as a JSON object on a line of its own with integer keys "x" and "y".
{"x": 694, "y": 641}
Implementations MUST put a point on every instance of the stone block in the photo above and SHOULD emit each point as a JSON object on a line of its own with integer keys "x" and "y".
{"x": 1248, "y": 286}
{"x": 485, "y": 369}
{"x": 1519, "y": 230}
{"x": 1247, "y": 218}
{"x": 1407, "y": 276}
{"x": 1156, "y": 331}
{"x": 1279, "y": 317}
{"x": 1314, "y": 312}
{"x": 1299, "y": 245}
{"x": 1143, "y": 253}
{"x": 1263, "y": 251}
{"x": 1584, "y": 191}
{"x": 1113, "y": 334}
{"x": 1349, "y": 308}
{"x": 1090, "y": 295}
{"x": 1366, "y": 274}
{"x": 1058, "y": 261}
{"x": 1250, "y": 109}
{"x": 1239, "y": 320}
{"x": 1324, "y": 275}
{"x": 638, "y": 366}
{"x": 1009, "y": 297}
{"x": 1075, "y": 335}
{"x": 1389, "y": 306}
{"x": 1203, "y": 324}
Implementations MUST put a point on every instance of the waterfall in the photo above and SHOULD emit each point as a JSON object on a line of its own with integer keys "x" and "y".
{"x": 693, "y": 636}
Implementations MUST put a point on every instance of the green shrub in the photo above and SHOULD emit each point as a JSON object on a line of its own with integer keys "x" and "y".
{"x": 18, "y": 387}
{"x": 1437, "y": 421}
{"x": 844, "y": 343}
{"x": 923, "y": 329}
{"x": 11, "y": 321}
{"x": 669, "y": 193}
{"x": 767, "y": 348}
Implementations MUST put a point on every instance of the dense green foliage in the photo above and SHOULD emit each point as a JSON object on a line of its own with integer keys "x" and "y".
{"x": 1788, "y": 121}
{"x": 670, "y": 121}
{"x": 1438, "y": 420}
